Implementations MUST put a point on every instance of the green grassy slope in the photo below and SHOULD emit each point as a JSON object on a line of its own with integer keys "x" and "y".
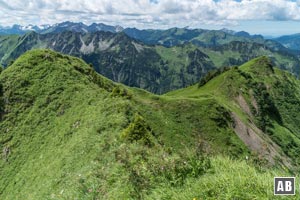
{"x": 259, "y": 94}
{"x": 69, "y": 133}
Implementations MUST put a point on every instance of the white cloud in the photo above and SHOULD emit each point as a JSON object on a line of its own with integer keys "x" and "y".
{"x": 146, "y": 13}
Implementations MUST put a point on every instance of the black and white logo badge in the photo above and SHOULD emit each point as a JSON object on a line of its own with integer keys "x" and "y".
{"x": 284, "y": 186}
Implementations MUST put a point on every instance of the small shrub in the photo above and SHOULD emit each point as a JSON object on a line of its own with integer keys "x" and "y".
{"x": 223, "y": 119}
{"x": 139, "y": 130}
{"x": 244, "y": 74}
{"x": 121, "y": 92}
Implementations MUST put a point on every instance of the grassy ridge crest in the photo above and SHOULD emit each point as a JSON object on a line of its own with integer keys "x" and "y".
{"x": 69, "y": 133}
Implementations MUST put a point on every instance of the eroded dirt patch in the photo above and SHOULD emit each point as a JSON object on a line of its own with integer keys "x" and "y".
{"x": 243, "y": 104}
{"x": 258, "y": 142}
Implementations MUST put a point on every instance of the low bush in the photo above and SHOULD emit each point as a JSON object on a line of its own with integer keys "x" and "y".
{"x": 139, "y": 130}
{"x": 122, "y": 92}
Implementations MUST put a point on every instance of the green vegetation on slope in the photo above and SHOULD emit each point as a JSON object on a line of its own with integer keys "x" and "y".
{"x": 227, "y": 179}
{"x": 261, "y": 96}
{"x": 158, "y": 69}
{"x": 69, "y": 133}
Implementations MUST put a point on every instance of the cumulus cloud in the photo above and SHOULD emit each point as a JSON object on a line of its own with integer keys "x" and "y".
{"x": 147, "y": 13}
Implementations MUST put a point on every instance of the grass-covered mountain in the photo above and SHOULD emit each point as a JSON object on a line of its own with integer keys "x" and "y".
{"x": 269, "y": 97}
{"x": 69, "y": 133}
{"x": 156, "y": 68}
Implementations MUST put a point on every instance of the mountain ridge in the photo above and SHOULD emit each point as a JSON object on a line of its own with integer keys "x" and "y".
{"x": 72, "y": 133}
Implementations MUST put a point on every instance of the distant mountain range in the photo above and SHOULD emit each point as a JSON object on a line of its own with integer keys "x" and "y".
{"x": 169, "y": 37}
{"x": 156, "y": 60}
{"x": 156, "y": 68}
{"x": 19, "y": 30}
{"x": 60, "y": 27}
{"x": 200, "y": 37}
{"x": 290, "y": 41}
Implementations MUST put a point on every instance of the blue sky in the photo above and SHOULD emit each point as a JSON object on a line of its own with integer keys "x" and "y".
{"x": 268, "y": 17}
{"x": 267, "y": 28}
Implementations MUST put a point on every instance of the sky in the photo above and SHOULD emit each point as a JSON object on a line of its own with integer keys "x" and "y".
{"x": 267, "y": 17}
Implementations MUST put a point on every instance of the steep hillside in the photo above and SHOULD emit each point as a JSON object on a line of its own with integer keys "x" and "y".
{"x": 69, "y": 133}
{"x": 267, "y": 100}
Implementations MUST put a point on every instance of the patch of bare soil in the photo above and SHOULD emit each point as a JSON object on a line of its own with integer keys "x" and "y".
{"x": 258, "y": 142}
{"x": 254, "y": 102}
{"x": 243, "y": 104}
